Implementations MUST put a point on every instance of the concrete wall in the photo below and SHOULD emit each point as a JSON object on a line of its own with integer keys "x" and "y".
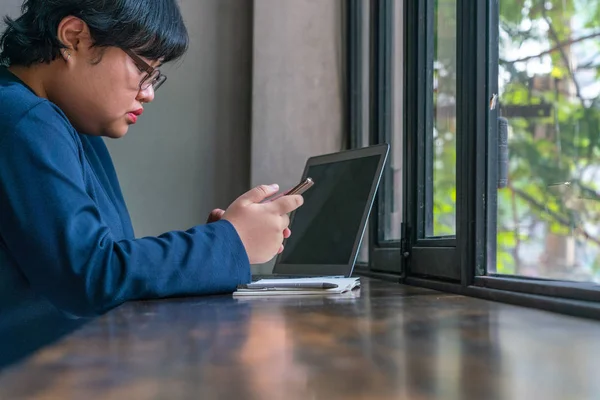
{"x": 298, "y": 83}
{"x": 9, "y": 7}
{"x": 297, "y": 86}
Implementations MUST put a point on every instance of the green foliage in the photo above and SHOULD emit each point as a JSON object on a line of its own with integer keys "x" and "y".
{"x": 543, "y": 150}
{"x": 547, "y": 150}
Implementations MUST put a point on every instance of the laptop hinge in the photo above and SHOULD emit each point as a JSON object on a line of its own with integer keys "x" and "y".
{"x": 405, "y": 240}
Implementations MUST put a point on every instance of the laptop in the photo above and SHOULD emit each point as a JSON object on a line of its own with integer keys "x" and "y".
{"x": 327, "y": 231}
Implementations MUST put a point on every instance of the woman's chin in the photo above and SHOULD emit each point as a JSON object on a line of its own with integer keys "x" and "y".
{"x": 116, "y": 133}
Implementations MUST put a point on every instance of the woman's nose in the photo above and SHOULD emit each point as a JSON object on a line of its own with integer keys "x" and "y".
{"x": 146, "y": 95}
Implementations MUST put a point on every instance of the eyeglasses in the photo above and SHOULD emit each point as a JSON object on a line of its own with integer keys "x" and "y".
{"x": 153, "y": 76}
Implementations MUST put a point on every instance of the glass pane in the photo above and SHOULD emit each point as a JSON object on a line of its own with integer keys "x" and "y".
{"x": 363, "y": 253}
{"x": 441, "y": 187}
{"x": 548, "y": 218}
{"x": 392, "y": 217}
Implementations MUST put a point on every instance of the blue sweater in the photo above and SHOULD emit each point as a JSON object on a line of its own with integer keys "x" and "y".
{"x": 66, "y": 239}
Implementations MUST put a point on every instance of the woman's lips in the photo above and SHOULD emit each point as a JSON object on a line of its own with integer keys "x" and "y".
{"x": 133, "y": 115}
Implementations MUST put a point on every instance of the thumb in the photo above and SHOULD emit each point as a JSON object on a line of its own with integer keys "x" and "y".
{"x": 259, "y": 193}
{"x": 215, "y": 215}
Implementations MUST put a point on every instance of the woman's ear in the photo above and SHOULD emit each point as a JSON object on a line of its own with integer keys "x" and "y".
{"x": 75, "y": 35}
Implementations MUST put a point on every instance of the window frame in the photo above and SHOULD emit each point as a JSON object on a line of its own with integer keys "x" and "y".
{"x": 452, "y": 264}
{"x": 384, "y": 256}
{"x": 428, "y": 255}
{"x": 477, "y": 180}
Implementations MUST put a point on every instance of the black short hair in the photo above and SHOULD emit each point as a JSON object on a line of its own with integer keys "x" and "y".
{"x": 152, "y": 28}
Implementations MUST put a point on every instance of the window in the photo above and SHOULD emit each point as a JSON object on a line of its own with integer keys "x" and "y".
{"x": 543, "y": 219}
{"x": 440, "y": 152}
{"x": 493, "y": 115}
{"x": 431, "y": 145}
{"x": 548, "y": 85}
{"x": 357, "y": 121}
{"x": 375, "y": 63}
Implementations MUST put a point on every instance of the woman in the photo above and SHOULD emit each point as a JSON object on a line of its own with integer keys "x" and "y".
{"x": 73, "y": 71}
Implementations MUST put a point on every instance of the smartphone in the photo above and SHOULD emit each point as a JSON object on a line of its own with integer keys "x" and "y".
{"x": 301, "y": 187}
{"x": 298, "y": 189}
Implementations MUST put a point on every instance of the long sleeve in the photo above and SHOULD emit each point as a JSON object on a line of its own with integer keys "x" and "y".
{"x": 56, "y": 234}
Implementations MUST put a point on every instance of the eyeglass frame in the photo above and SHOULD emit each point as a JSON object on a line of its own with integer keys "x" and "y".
{"x": 148, "y": 69}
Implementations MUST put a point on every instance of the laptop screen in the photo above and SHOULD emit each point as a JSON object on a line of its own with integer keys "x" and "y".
{"x": 325, "y": 228}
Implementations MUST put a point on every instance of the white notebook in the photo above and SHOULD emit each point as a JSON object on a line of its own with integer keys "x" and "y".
{"x": 298, "y": 286}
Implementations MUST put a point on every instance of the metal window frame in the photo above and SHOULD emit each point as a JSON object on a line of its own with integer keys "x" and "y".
{"x": 433, "y": 257}
{"x": 453, "y": 264}
{"x": 384, "y": 256}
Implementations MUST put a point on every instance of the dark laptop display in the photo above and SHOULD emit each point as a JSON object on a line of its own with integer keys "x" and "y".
{"x": 328, "y": 229}
{"x": 325, "y": 227}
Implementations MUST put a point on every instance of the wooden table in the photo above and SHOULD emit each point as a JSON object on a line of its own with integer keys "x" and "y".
{"x": 385, "y": 341}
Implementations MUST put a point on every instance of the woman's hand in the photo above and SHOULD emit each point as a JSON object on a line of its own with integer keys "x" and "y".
{"x": 216, "y": 215}
{"x": 262, "y": 227}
